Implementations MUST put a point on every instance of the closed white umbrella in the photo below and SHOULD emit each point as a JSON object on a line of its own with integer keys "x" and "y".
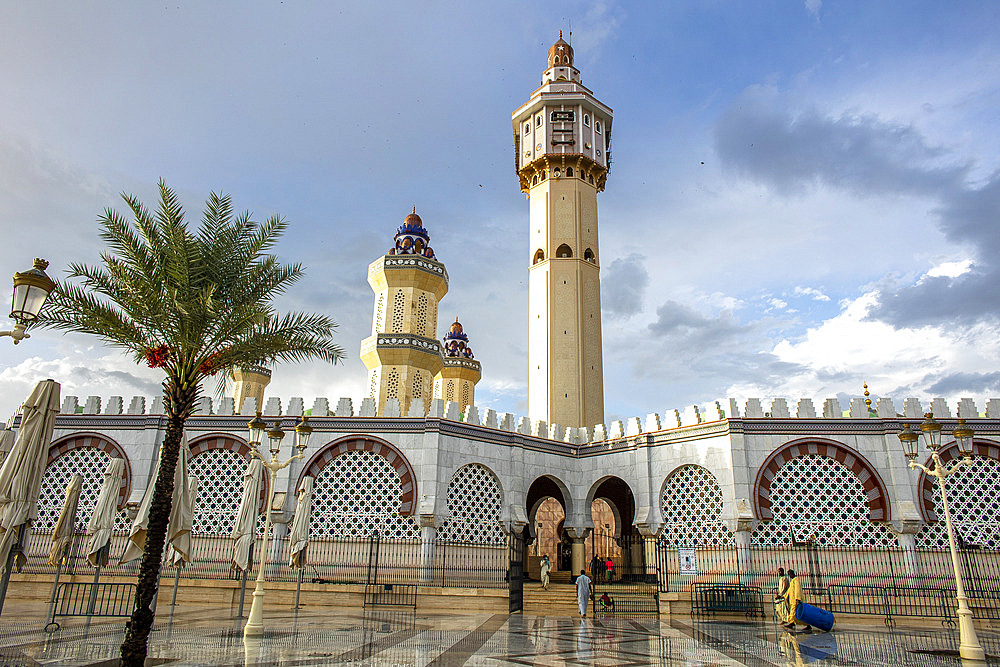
{"x": 137, "y": 537}
{"x": 298, "y": 538}
{"x": 181, "y": 520}
{"x": 62, "y": 534}
{"x": 102, "y": 521}
{"x": 21, "y": 472}
{"x": 246, "y": 518}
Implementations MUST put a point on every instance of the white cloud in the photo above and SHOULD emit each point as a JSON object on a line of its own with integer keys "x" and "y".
{"x": 777, "y": 303}
{"x": 950, "y": 269}
{"x": 813, "y": 7}
{"x": 811, "y": 292}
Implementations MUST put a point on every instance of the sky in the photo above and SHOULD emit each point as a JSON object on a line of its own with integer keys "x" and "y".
{"x": 804, "y": 195}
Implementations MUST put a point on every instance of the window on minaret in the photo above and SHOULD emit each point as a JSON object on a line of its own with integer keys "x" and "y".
{"x": 422, "y": 316}
{"x": 398, "y": 302}
{"x": 538, "y": 120}
{"x": 465, "y": 394}
{"x": 417, "y": 386}
{"x": 597, "y": 126}
{"x": 569, "y": 172}
{"x": 527, "y": 128}
{"x": 379, "y": 314}
{"x": 586, "y": 119}
{"x": 449, "y": 393}
{"x": 564, "y": 251}
{"x": 392, "y": 384}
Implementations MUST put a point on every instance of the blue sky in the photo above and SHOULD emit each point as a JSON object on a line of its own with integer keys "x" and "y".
{"x": 804, "y": 194}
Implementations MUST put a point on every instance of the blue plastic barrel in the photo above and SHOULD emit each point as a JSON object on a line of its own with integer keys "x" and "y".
{"x": 814, "y": 616}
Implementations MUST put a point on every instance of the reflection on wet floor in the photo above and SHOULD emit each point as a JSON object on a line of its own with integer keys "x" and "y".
{"x": 320, "y": 637}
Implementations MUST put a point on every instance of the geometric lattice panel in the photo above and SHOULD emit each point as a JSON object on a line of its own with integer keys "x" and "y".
{"x": 692, "y": 504}
{"x": 974, "y": 504}
{"x": 357, "y": 494}
{"x": 88, "y": 462}
{"x": 816, "y": 497}
{"x": 474, "y": 501}
{"x": 220, "y": 489}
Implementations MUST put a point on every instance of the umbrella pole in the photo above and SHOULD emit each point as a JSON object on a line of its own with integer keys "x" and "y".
{"x": 298, "y": 589}
{"x": 92, "y": 602}
{"x": 177, "y": 580}
{"x": 11, "y": 555}
{"x": 55, "y": 584}
{"x": 243, "y": 584}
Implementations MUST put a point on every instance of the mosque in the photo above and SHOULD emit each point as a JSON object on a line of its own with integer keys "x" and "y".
{"x": 433, "y": 463}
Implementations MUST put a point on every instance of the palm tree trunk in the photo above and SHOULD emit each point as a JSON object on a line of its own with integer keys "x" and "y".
{"x": 134, "y": 648}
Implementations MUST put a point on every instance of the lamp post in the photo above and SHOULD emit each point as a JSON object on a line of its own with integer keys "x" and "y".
{"x": 255, "y": 622}
{"x": 930, "y": 430}
{"x": 31, "y": 288}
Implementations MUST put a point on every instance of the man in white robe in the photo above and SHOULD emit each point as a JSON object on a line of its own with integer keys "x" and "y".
{"x": 583, "y": 592}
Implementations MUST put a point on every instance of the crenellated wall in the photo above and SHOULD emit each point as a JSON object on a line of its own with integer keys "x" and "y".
{"x": 742, "y": 446}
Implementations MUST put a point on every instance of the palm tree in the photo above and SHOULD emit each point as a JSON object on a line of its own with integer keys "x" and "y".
{"x": 194, "y": 303}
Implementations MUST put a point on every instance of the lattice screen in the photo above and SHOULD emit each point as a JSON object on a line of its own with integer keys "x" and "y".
{"x": 379, "y": 314}
{"x": 816, "y": 497}
{"x": 692, "y": 504}
{"x": 466, "y": 400}
{"x": 417, "y": 386}
{"x": 974, "y": 501}
{"x": 357, "y": 494}
{"x": 422, "y": 317}
{"x": 398, "y": 308}
{"x": 474, "y": 500}
{"x": 220, "y": 489}
{"x": 392, "y": 384}
{"x": 88, "y": 462}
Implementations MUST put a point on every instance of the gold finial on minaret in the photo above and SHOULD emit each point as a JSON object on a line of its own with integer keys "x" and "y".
{"x": 868, "y": 400}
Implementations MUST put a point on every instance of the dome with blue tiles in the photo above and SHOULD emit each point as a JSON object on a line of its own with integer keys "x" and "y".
{"x": 412, "y": 238}
{"x": 456, "y": 342}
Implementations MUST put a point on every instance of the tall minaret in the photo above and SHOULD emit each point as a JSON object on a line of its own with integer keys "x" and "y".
{"x": 403, "y": 354}
{"x": 458, "y": 377}
{"x": 562, "y": 137}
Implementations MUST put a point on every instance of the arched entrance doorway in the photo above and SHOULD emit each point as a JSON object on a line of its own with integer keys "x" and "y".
{"x": 547, "y": 501}
{"x": 615, "y": 549}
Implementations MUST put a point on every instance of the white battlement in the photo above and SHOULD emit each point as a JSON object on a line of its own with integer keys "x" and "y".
{"x": 692, "y": 415}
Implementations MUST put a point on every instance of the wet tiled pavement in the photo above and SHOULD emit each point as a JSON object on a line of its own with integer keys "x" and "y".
{"x": 395, "y": 638}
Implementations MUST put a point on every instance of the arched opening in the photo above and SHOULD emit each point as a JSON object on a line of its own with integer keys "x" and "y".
{"x": 547, "y": 503}
{"x": 564, "y": 251}
{"x": 474, "y": 504}
{"x": 539, "y": 256}
{"x": 569, "y": 172}
{"x": 975, "y": 515}
{"x": 614, "y": 538}
{"x": 588, "y": 255}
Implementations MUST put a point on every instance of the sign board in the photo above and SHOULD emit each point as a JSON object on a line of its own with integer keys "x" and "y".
{"x": 687, "y": 561}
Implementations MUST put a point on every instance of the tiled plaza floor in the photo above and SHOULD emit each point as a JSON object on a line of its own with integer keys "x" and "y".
{"x": 396, "y": 638}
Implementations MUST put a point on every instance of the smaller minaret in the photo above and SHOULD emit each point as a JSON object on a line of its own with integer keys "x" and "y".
{"x": 458, "y": 377}
{"x": 251, "y": 381}
{"x": 403, "y": 355}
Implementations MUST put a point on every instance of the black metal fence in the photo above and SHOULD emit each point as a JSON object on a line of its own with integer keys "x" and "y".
{"x": 888, "y": 582}
{"x": 341, "y": 561}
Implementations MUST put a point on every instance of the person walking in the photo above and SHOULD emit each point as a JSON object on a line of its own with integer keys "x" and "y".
{"x": 794, "y": 596}
{"x": 546, "y": 567}
{"x": 780, "y": 603}
{"x": 583, "y": 592}
{"x": 609, "y": 569}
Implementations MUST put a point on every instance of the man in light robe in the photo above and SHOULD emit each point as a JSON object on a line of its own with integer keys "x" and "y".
{"x": 780, "y": 603}
{"x": 546, "y": 567}
{"x": 583, "y": 592}
{"x": 794, "y": 596}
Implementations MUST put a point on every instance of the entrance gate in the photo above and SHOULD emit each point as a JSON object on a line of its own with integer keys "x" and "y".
{"x": 631, "y": 581}
{"x": 515, "y": 572}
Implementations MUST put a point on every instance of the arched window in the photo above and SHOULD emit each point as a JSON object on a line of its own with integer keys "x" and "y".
{"x": 590, "y": 179}
{"x": 569, "y": 172}
{"x": 586, "y": 119}
{"x": 475, "y": 501}
{"x": 815, "y": 497}
{"x": 564, "y": 251}
{"x": 534, "y": 179}
{"x": 539, "y": 256}
{"x": 588, "y": 255}
{"x": 692, "y": 507}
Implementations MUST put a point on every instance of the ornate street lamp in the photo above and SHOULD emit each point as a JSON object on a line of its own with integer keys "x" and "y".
{"x": 930, "y": 430}
{"x": 255, "y": 623}
{"x": 31, "y": 288}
